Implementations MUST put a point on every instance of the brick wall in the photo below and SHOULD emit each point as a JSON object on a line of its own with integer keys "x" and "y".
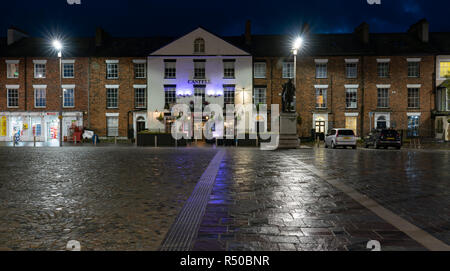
{"x": 125, "y": 81}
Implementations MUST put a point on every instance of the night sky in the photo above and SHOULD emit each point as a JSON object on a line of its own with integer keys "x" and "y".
{"x": 173, "y": 18}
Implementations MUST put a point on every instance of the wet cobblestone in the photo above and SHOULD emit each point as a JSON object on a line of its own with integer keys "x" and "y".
{"x": 106, "y": 198}
{"x": 267, "y": 201}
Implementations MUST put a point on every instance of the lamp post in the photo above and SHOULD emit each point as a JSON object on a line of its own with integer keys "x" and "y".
{"x": 295, "y": 48}
{"x": 58, "y": 47}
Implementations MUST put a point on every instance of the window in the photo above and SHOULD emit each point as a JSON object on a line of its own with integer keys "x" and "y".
{"x": 413, "y": 126}
{"x": 448, "y": 99}
{"x": 170, "y": 70}
{"x": 444, "y": 69}
{"x": 112, "y": 126}
{"x": 112, "y": 95}
{"x": 112, "y": 71}
{"x": 228, "y": 94}
{"x": 260, "y": 69}
{"x": 68, "y": 70}
{"x": 351, "y": 70}
{"x": 12, "y": 70}
{"x": 40, "y": 99}
{"x": 259, "y": 96}
{"x": 199, "y": 69}
{"x": 413, "y": 69}
{"x": 383, "y": 69}
{"x": 69, "y": 97}
{"x": 199, "y": 93}
{"x": 321, "y": 98}
{"x": 383, "y": 98}
{"x": 140, "y": 70}
{"x": 228, "y": 69}
{"x": 199, "y": 45}
{"x": 321, "y": 70}
{"x": 140, "y": 98}
{"x": 351, "y": 98}
{"x": 288, "y": 70}
{"x": 13, "y": 98}
{"x": 39, "y": 70}
{"x": 170, "y": 94}
{"x": 413, "y": 98}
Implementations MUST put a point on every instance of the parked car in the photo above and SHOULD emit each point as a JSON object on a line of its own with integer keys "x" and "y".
{"x": 341, "y": 138}
{"x": 384, "y": 139}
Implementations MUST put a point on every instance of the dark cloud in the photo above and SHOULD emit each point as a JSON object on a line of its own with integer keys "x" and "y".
{"x": 141, "y": 18}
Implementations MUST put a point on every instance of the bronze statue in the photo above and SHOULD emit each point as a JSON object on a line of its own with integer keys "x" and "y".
{"x": 288, "y": 97}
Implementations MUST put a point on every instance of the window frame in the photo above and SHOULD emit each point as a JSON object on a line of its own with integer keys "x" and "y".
{"x": 413, "y": 100}
{"x": 110, "y": 71}
{"x": 108, "y": 128}
{"x": 256, "y": 74}
{"x": 288, "y": 70}
{"x": 138, "y": 70}
{"x": 416, "y": 69}
{"x": 199, "y": 46}
{"x": 170, "y": 72}
{"x": 354, "y": 91}
{"x": 199, "y": 72}
{"x": 440, "y": 68}
{"x": 44, "y": 99}
{"x": 321, "y": 70}
{"x": 9, "y": 98}
{"x": 170, "y": 95}
{"x": 73, "y": 97}
{"x": 109, "y": 97}
{"x": 349, "y": 70}
{"x": 257, "y": 91}
{"x": 8, "y": 69}
{"x": 229, "y": 72}
{"x": 324, "y": 93}
{"x": 229, "y": 94}
{"x": 43, "y": 68}
{"x": 381, "y": 100}
{"x": 383, "y": 69}
{"x": 138, "y": 97}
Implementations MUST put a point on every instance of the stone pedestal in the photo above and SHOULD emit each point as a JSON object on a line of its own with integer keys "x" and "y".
{"x": 288, "y": 131}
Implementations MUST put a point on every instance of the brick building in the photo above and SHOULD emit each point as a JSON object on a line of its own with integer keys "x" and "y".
{"x": 30, "y": 92}
{"x": 359, "y": 81}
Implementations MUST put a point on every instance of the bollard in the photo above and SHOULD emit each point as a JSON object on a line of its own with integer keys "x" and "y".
{"x": 115, "y": 140}
{"x": 34, "y": 141}
{"x": 14, "y": 142}
{"x": 156, "y": 141}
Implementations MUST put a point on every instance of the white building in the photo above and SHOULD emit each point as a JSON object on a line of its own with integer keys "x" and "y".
{"x": 199, "y": 64}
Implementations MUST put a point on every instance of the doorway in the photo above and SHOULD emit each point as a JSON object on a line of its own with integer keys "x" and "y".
{"x": 140, "y": 124}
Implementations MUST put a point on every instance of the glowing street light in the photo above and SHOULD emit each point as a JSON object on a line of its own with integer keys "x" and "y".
{"x": 57, "y": 45}
{"x": 297, "y": 45}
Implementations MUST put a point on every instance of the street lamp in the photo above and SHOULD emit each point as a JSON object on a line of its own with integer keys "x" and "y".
{"x": 295, "y": 48}
{"x": 57, "y": 45}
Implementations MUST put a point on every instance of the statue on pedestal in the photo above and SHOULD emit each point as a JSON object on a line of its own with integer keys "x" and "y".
{"x": 288, "y": 95}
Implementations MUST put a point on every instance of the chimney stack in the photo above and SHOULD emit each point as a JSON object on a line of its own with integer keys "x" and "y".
{"x": 248, "y": 32}
{"x": 15, "y": 34}
{"x": 100, "y": 37}
{"x": 421, "y": 29}
{"x": 363, "y": 31}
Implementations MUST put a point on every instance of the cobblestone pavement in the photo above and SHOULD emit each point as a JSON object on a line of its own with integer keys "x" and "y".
{"x": 106, "y": 198}
{"x": 268, "y": 201}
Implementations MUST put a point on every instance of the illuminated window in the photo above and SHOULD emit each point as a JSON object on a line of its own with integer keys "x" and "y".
{"x": 445, "y": 69}
{"x": 40, "y": 97}
{"x": 39, "y": 70}
{"x": 199, "y": 45}
{"x": 321, "y": 98}
{"x": 351, "y": 99}
{"x": 69, "y": 97}
{"x": 68, "y": 70}
{"x": 12, "y": 70}
{"x": 413, "y": 126}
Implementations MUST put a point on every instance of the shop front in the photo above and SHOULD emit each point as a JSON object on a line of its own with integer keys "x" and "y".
{"x": 36, "y": 126}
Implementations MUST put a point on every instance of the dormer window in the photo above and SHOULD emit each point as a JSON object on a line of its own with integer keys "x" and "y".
{"x": 199, "y": 45}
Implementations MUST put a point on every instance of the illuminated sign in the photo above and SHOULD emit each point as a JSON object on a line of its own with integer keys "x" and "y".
{"x": 199, "y": 82}
{"x": 3, "y": 126}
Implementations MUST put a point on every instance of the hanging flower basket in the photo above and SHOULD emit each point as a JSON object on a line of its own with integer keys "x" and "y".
{"x": 161, "y": 117}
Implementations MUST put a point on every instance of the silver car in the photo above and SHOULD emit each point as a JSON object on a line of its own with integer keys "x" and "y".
{"x": 341, "y": 138}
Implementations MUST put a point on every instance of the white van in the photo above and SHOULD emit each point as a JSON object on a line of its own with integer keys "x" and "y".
{"x": 341, "y": 138}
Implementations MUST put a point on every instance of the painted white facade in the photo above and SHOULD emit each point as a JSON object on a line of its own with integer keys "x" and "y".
{"x": 182, "y": 51}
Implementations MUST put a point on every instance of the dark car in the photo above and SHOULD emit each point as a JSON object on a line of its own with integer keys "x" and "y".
{"x": 384, "y": 139}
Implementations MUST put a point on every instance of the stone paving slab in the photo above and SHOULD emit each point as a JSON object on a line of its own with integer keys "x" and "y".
{"x": 263, "y": 201}
{"x": 106, "y": 198}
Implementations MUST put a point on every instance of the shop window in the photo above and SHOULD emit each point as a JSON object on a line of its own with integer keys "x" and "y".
{"x": 351, "y": 123}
